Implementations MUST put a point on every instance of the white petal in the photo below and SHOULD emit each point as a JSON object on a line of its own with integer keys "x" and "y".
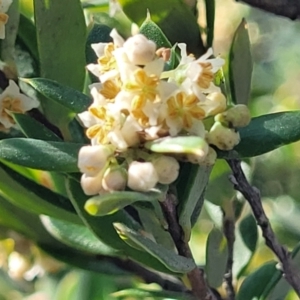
{"x": 99, "y": 48}
{"x": 118, "y": 40}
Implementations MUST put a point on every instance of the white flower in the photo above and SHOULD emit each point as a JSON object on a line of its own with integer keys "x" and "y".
{"x": 11, "y": 100}
{"x": 142, "y": 176}
{"x": 92, "y": 159}
{"x": 4, "y": 5}
{"x": 167, "y": 169}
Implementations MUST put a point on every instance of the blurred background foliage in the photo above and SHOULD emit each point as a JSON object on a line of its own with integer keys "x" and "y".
{"x": 275, "y": 87}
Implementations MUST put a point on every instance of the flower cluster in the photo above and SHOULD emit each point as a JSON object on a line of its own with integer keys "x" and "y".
{"x": 137, "y": 101}
{"x": 11, "y": 100}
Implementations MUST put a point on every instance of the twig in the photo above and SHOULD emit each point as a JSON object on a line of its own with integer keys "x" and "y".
{"x": 196, "y": 278}
{"x": 285, "y": 8}
{"x": 252, "y": 195}
{"x": 228, "y": 229}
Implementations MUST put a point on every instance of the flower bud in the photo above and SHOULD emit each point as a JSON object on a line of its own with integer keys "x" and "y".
{"x": 92, "y": 185}
{"x": 222, "y": 137}
{"x": 142, "y": 176}
{"x": 139, "y": 49}
{"x": 114, "y": 179}
{"x": 92, "y": 159}
{"x": 216, "y": 103}
{"x": 167, "y": 169}
{"x": 237, "y": 116}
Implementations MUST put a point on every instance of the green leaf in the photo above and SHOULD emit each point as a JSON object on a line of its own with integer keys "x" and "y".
{"x": 190, "y": 188}
{"x": 83, "y": 260}
{"x": 173, "y": 261}
{"x": 61, "y": 37}
{"x": 173, "y": 17}
{"x": 181, "y": 144}
{"x": 76, "y": 236}
{"x": 210, "y": 21}
{"x": 30, "y": 197}
{"x": 216, "y": 257}
{"x": 248, "y": 230}
{"x": 41, "y": 155}
{"x": 268, "y": 132}
{"x": 219, "y": 181}
{"x": 104, "y": 230}
{"x": 65, "y": 96}
{"x": 141, "y": 294}
{"x": 154, "y": 33}
{"x": 27, "y": 34}
{"x": 254, "y": 285}
{"x": 34, "y": 129}
{"x": 240, "y": 65}
{"x": 110, "y": 203}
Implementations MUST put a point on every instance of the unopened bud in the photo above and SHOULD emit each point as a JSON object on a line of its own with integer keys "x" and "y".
{"x": 114, "y": 179}
{"x": 167, "y": 169}
{"x": 216, "y": 103}
{"x": 198, "y": 156}
{"x": 92, "y": 159}
{"x": 237, "y": 116}
{"x": 222, "y": 137}
{"x": 139, "y": 49}
{"x": 142, "y": 176}
{"x": 92, "y": 185}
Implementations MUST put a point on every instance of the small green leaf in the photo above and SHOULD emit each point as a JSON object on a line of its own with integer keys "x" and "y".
{"x": 110, "y": 203}
{"x": 210, "y": 21}
{"x": 65, "y": 96}
{"x": 173, "y": 17}
{"x": 248, "y": 230}
{"x": 191, "y": 186}
{"x": 41, "y": 155}
{"x": 240, "y": 65}
{"x": 254, "y": 285}
{"x": 216, "y": 257}
{"x": 268, "y": 132}
{"x": 34, "y": 129}
{"x": 182, "y": 144}
{"x": 76, "y": 236}
{"x": 170, "y": 259}
{"x": 154, "y": 33}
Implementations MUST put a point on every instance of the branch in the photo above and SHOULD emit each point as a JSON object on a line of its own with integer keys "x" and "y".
{"x": 252, "y": 195}
{"x": 228, "y": 229}
{"x": 285, "y": 8}
{"x": 196, "y": 276}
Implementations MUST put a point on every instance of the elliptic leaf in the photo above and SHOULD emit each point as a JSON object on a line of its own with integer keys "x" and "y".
{"x": 169, "y": 258}
{"x": 268, "y": 132}
{"x": 191, "y": 186}
{"x": 41, "y": 155}
{"x": 67, "y": 97}
{"x": 34, "y": 129}
{"x": 240, "y": 65}
{"x": 254, "y": 285}
{"x": 216, "y": 257}
{"x": 112, "y": 202}
{"x": 76, "y": 236}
